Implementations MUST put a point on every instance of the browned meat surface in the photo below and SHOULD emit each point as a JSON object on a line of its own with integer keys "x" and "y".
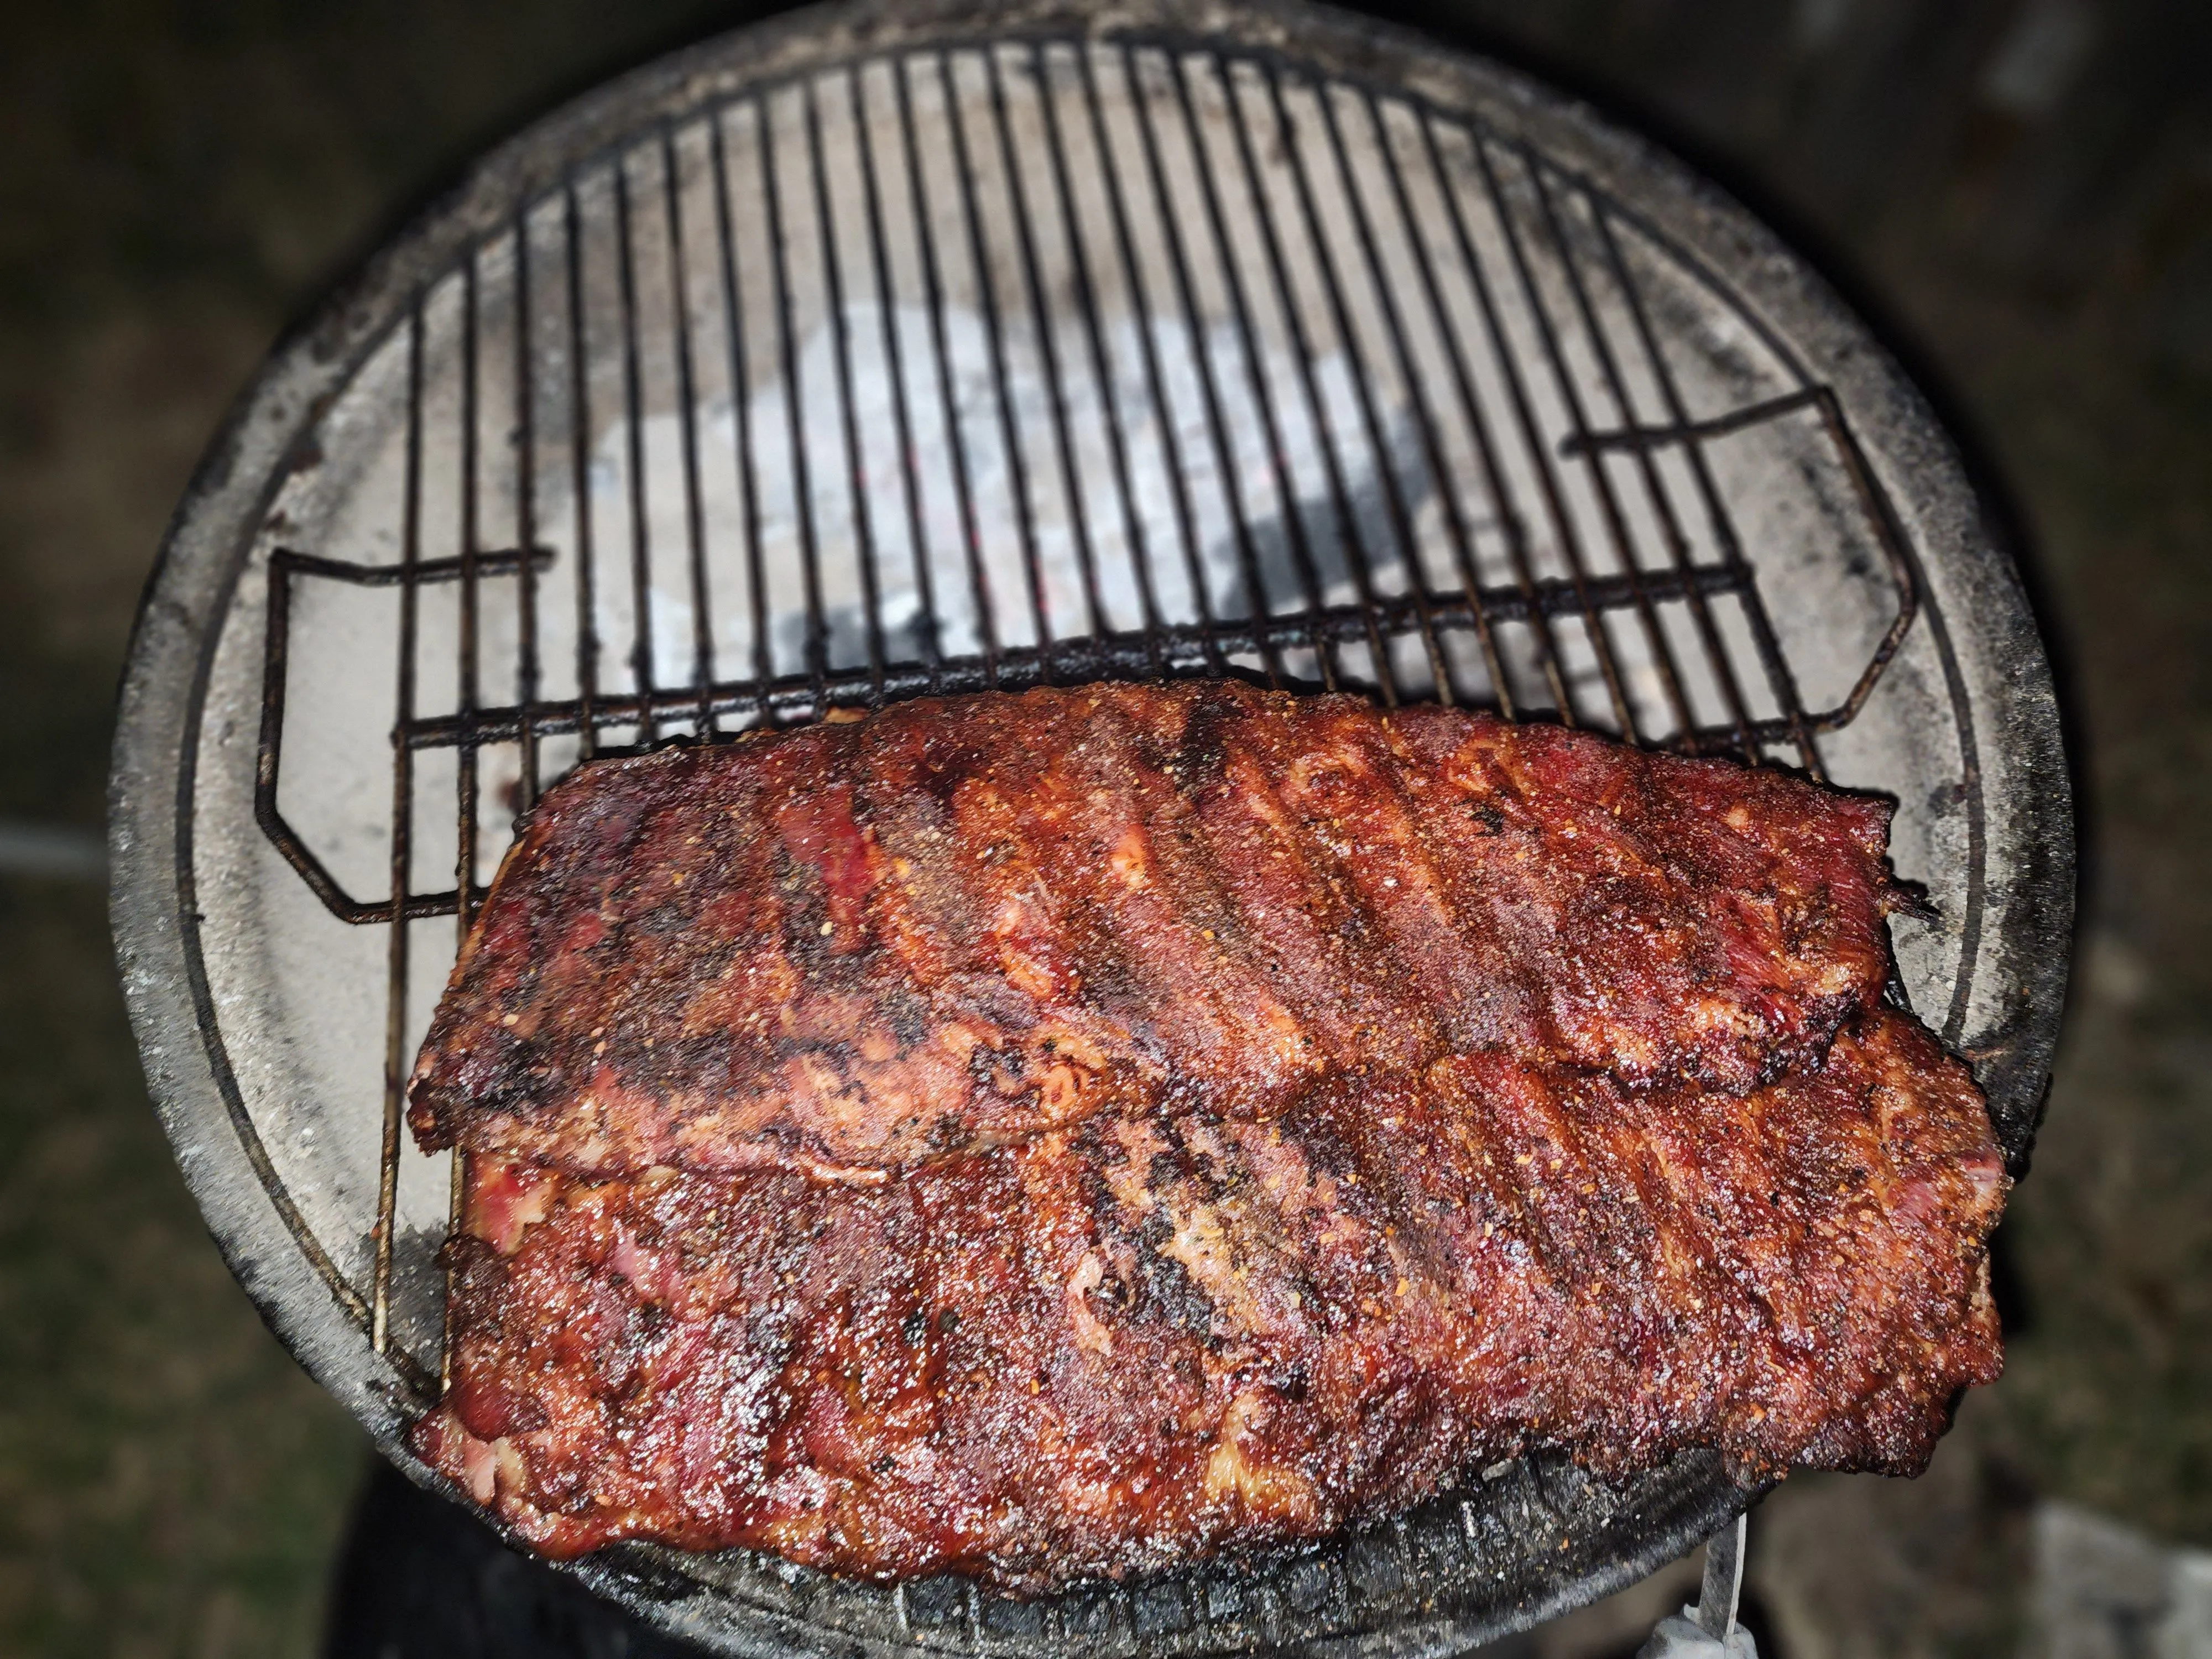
{"x": 959, "y": 922}
{"x": 1050, "y": 1135}
{"x": 1161, "y": 1331}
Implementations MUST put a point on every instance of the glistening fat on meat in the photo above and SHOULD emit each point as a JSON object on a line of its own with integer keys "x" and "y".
{"x": 854, "y": 946}
{"x": 1051, "y": 1136}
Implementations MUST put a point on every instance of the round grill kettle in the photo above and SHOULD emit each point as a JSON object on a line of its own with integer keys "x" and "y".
{"x": 885, "y": 349}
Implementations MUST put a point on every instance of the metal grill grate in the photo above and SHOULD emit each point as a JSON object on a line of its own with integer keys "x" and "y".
{"x": 932, "y": 347}
{"x": 978, "y": 368}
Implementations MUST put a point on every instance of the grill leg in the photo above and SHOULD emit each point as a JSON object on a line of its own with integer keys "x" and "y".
{"x": 1717, "y": 1597}
{"x": 1709, "y": 1630}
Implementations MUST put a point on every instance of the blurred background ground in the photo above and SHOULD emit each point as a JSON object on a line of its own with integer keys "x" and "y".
{"x": 2022, "y": 189}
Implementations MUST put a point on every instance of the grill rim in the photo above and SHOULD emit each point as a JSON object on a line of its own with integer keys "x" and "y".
{"x": 211, "y": 538}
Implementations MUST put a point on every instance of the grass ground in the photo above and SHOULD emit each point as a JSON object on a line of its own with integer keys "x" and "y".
{"x": 170, "y": 1482}
{"x": 179, "y": 177}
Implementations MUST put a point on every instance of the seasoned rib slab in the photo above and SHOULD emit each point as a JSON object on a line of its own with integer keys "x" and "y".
{"x": 1122, "y": 1341}
{"x": 962, "y": 922}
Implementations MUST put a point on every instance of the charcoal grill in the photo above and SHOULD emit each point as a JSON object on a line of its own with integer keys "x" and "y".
{"x": 887, "y": 349}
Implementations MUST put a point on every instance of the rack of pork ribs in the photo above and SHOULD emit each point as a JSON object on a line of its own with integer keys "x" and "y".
{"x": 1052, "y": 1135}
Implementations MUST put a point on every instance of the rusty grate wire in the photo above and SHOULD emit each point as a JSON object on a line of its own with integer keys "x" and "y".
{"x": 968, "y": 368}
